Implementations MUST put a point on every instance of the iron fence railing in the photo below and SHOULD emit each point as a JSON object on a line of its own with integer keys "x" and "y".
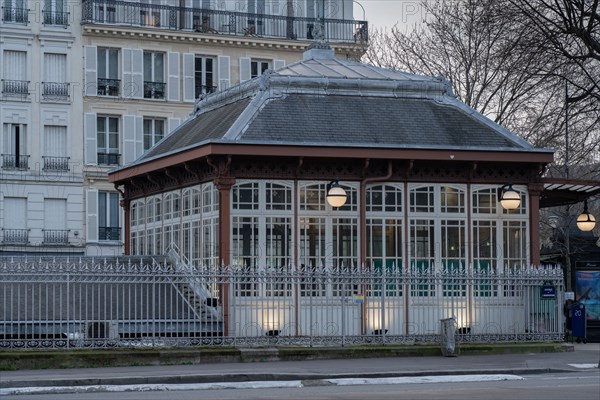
{"x": 14, "y": 161}
{"x": 173, "y": 17}
{"x": 155, "y": 302}
{"x": 15, "y": 236}
{"x": 17, "y": 87}
{"x": 109, "y": 158}
{"x": 53, "y": 163}
{"x": 56, "y": 236}
{"x": 109, "y": 233}
{"x": 55, "y": 90}
{"x": 15, "y": 15}
{"x": 58, "y": 18}
{"x": 109, "y": 87}
{"x": 154, "y": 90}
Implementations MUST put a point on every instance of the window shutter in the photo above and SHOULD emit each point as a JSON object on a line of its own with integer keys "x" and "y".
{"x": 91, "y": 70}
{"x": 278, "y": 64}
{"x": 137, "y": 73}
{"x": 224, "y": 73}
{"x": 127, "y": 77}
{"x": 91, "y": 142}
{"x": 173, "y": 124}
{"x": 133, "y": 77}
{"x": 189, "y": 94}
{"x": 129, "y": 132}
{"x": 91, "y": 209}
{"x": 244, "y": 69}
{"x": 139, "y": 136}
{"x": 173, "y": 92}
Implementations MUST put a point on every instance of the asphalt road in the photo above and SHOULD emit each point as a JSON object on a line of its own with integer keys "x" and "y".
{"x": 584, "y": 385}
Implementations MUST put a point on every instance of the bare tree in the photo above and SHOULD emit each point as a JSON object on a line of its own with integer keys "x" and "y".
{"x": 501, "y": 65}
{"x": 572, "y": 30}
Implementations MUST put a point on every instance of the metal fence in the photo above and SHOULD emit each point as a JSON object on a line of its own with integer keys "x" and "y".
{"x": 166, "y": 302}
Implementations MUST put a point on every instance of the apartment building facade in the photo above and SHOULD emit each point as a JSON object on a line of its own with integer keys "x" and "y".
{"x": 133, "y": 70}
{"x": 41, "y": 147}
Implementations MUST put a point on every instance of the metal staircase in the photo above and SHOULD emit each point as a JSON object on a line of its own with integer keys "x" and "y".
{"x": 194, "y": 291}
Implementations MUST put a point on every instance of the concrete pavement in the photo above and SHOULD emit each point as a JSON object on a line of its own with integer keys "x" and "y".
{"x": 583, "y": 357}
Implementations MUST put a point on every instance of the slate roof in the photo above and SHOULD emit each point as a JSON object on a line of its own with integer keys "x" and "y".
{"x": 325, "y": 101}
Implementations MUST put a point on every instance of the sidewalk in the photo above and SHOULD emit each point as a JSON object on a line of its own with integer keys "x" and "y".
{"x": 584, "y": 356}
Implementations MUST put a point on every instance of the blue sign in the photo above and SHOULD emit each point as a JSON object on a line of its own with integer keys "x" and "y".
{"x": 548, "y": 291}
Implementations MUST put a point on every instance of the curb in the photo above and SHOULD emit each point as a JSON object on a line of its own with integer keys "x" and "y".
{"x": 52, "y": 359}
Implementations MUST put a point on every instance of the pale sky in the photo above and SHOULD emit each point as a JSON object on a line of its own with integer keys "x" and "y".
{"x": 386, "y": 13}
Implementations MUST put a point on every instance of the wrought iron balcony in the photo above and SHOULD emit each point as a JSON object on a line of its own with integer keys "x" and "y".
{"x": 15, "y": 87}
{"x": 16, "y": 15}
{"x": 56, "y": 236}
{"x": 109, "y": 87}
{"x": 204, "y": 89}
{"x": 109, "y": 158}
{"x": 58, "y": 18}
{"x": 55, "y": 90}
{"x": 15, "y": 236}
{"x": 127, "y": 13}
{"x": 109, "y": 233}
{"x": 154, "y": 90}
{"x": 59, "y": 164}
{"x": 12, "y": 161}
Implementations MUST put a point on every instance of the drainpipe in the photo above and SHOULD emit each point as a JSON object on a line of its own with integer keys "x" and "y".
{"x": 363, "y": 230}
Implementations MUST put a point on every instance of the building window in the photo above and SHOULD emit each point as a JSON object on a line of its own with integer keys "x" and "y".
{"x": 258, "y": 67}
{"x": 55, "y": 148}
{"x": 154, "y": 131}
{"x": 54, "y": 13}
{"x": 384, "y": 231}
{"x": 15, "y": 11}
{"x": 154, "y": 75}
{"x": 15, "y": 229}
{"x": 108, "y": 72}
{"x": 108, "y": 140}
{"x": 204, "y": 76}
{"x": 55, "y": 85}
{"x": 320, "y": 247}
{"x": 55, "y": 222}
{"x": 14, "y": 147}
{"x": 108, "y": 216}
{"x": 14, "y": 81}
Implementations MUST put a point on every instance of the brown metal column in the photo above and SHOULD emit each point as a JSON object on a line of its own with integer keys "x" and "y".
{"x": 535, "y": 189}
{"x": 224, "y": 185}
{"x": 127, "y": 239}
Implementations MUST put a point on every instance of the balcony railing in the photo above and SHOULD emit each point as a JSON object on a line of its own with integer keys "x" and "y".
{"x": 15, "y": 236}
{"x": 58, "y": 164}
{"x": 16, "y": 15}
{"x": 55, "y": 90}
{"x": 204, "y": 89}
{"x": 109, "y": 87}
{"x": 12, "y": 161}
{"x": 154, "y": 90}
{"x": 58, "y": 18}
{"x": 109, "y": 233}
{"x": 56, "y": 236}
{"x": 109, "y": 158}
{"x": 171, "y": 17}
{"x": 15, "y": 87}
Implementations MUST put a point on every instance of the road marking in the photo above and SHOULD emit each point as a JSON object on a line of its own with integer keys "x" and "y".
{"x": 256, "y": 384}
{"x": 424, "y": 379}
{"x": 583, "y": 366}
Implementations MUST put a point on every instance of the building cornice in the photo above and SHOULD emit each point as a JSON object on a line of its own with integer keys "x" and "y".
{"x": 107, "y": 31}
